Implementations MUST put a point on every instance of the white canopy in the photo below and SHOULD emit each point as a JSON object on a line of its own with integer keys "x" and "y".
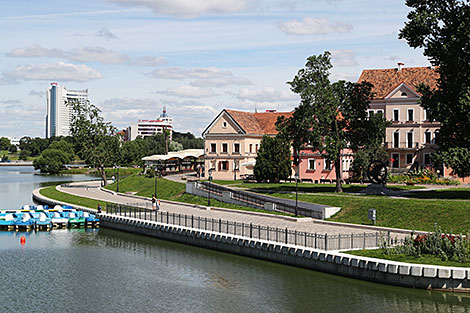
{"x": 195, "y": 153}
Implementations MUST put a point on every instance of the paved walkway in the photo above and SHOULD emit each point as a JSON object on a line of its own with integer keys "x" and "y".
{"x": 92, "y": 190}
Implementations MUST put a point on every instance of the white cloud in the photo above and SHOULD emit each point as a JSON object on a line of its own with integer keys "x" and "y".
{"x": 335, "y": 76}
{"x": 35, "y": 50}
{"x": 148, "y": 61}
{"x": 106, "y": 34}
{"x": 189, "y": 8}
{"x": 202, "y": 77}
{"x": 37, "y": 93}
{"x": 266, "y": 94}
{"x": 97, "y": 54}
{"x": 313, "y": 26}
{"x": 57, "y": 71}
{"x": 188, "y": 92}
{"x": 343, "y": 57}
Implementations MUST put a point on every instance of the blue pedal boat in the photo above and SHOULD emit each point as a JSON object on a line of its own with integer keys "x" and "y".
{"x": 26, "y": 221}
{"x": 8, "y": 220}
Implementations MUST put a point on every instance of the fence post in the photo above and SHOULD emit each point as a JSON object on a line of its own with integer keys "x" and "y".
{"x": 220, "y": 226}
{"x": 192, "y": 221}
{"x": 287, "y": 234}
{"x": 364, "y": 236}
{"x": 145, "y": 214}
{"x": 376, "y": 238}
{"x": 352, "y": 241}
{"x": 243, "y": 229}
{"x": 339, "y": 241}
{"x": 388, "y": 239}
{"x": 235, "y": 228}
{"x": 267, "y": 233}
{"x": 326, "y": 241}
{"x": 315, "y": 240}
{"x": 259, "y": 231}
{"x": 185, "y": 220}
{"x": 295, "y": 237}
{"x": 251, "y": 230}
{"x": 305, "y": 238}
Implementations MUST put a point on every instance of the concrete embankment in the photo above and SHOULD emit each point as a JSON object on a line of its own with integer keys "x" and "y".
{"x": 370, "y": 269}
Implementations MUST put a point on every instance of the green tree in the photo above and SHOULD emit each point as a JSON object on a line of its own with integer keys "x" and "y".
{"x": 13, "y": 149}
{"x": 4, "y": 143}
{"x": 273, "y": 160}
{"x": 133, "y": 151}
{"x": 24, "y": 154}
{"x": 155, "y": 144}
{"x": 332, "y": 113}
{"x": 51, "y": 161}
{"x": 94, "y": 138}
{"x": 441, "y": 29}
{"x": 188, "y": 140}
{"x": 371, "y": 147}
{"x": 65, "y": 146}
{"x": 175, "y": 146}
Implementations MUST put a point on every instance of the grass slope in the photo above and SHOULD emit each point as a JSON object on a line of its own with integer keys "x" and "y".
{"x": 424, "y": 259}
{"x": 52, "y": 193}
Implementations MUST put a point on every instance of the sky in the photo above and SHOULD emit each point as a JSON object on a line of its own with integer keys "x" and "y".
{"x": 194, "y": 57}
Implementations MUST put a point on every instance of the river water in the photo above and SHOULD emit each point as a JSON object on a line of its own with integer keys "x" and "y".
{"x": 110, "y": 271}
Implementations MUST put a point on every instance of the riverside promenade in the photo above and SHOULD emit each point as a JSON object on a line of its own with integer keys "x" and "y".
{"x": 93, "y": 190}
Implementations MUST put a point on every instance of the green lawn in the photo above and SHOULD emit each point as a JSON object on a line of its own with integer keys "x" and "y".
{"x": 123, "y": 172}
{"x": 173, "y": 191}
{"x": 52, "y": 193}
{"x": 424, "y": 259}
{"x": 451, "y": 193}
{"x": 305, "y": 187}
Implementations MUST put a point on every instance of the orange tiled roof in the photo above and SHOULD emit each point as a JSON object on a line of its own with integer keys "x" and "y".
{"x": 257, "y": 123}
{"x": 386, "y": 80}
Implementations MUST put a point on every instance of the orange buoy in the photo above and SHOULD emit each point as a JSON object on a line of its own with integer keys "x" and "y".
{"x": 22, "y": 240}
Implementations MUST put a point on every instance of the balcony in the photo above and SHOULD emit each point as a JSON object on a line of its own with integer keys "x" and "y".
{"x": 402, "y": 145}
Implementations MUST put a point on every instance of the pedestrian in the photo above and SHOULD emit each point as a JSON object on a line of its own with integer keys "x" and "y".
{"x": 154, "y": 202}
{"x": 99, "y": 208}
{"x": 158, "y": 205}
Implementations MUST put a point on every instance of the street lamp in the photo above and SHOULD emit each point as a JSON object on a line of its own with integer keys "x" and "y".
{"x": 209, "y": 190}
{"x": 296, "y": 193}
{"x": 116, "y": 167}
{"x": 156, "y": 175}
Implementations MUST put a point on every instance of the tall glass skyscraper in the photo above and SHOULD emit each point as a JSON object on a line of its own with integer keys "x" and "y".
{"x": 59, "y": 112}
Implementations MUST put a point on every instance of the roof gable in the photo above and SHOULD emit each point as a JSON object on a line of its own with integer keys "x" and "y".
{"x": 385, "y": 81}
{"x": 403, "y": 91}
{"x": 217, "y": 125}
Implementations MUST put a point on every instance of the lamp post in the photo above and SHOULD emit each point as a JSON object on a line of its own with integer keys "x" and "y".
{"x": 117, "y": 181}
{"x": 156, "y": 175}
{"x": 296, "y": 193}
{"x": 209, "y": 189}
{"x": 235, "y": 169}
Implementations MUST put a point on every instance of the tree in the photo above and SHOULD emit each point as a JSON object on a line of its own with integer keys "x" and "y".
{"x": 65, "y": 146}
{"x": 441, "y": 29}
{"x": 369, "y": 148}
{"x": 175, "y": 146}
{"x": 188, "y": 140}
{"x": 51, "y": 161}
{"x": 273, "y": 160}
{"x": 4, "y": 143}
{"x": 133, "y": 151}
{"x": 94, "y": 139}
{"x": 332, "y": 113}
{"x": 24, "y": 154}
{"x": 13, "y": 149}
{"x": 155, "y": 144}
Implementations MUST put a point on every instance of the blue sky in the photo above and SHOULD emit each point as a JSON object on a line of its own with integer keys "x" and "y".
{"x": 196, "y": 57}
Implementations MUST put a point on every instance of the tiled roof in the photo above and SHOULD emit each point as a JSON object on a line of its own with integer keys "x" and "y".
{"x": 257, "y": 123}
{"x": 387, "y": 80}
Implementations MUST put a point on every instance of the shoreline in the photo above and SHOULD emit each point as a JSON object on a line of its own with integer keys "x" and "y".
{"x": 420, "y": 276}
{"x": 17, "y": 163}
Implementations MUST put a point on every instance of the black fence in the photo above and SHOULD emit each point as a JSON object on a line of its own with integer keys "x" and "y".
{"x": 275, "y": 234}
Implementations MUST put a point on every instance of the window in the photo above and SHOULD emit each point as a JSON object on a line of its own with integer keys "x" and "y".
{"x": 409, "y": 158}
{"x": 213, "y": 148}
{"x": 396, "y": 139}
{"x": 311, "y": 164}
{"x": 425, "y": 115}
{"x": 427, "y": 159}
{"x": 395, "y": 160}
{"x": 223, "y": 166}
{"x": 380, "y": 111}
{"x": 224, "y": 125}
{"x": 371, "y": 113}
{"x": 427, "y": 137}
{"x": 236, "y": 148}
{"x": 437, "y": 135}
{"x": 224, "y": 148}
{"x": 404, "y": 94}
{"x": 409, "y": 139}
{"x": 396, "y": 115}
{"x": 411, "y": 114}
{"x": 256, "y": 148}
{"x": 327, "y": 165}
{"x": 251, "y": 147}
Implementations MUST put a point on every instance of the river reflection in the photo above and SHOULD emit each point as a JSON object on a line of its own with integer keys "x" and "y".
{"x": 109, "y": 271}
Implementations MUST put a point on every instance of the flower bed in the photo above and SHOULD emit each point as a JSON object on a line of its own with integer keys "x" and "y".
{"x": 422, "y": 176}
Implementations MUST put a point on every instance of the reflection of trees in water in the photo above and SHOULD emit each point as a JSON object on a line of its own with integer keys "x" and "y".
{"x": 285, "y": 288}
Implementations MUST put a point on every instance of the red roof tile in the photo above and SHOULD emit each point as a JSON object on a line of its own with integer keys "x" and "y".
{"x": 257, "y": 123}
{"x": 387, "y": 80}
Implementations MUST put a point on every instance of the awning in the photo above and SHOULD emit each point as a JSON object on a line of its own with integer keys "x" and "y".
{"x": 183, "y": 154}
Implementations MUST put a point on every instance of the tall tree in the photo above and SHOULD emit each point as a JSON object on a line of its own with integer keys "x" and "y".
{"x": 94, "y": 138}
{"x": 332, "y": 113}
{"x": 441, "y": 29}
{"x": 51, "y": 161}
{"x": 273, "y": 160}
{"x": 4, "y": 143}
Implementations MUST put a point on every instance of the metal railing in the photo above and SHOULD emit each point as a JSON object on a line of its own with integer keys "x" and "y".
{"x": 275, "y": 234}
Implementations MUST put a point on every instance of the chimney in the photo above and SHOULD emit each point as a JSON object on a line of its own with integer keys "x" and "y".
{"x": 400, "y": 66}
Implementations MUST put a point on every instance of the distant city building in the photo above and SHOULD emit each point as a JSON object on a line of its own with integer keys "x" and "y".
{"x": 147, "y": 128}
{"x": 59, "y": 113}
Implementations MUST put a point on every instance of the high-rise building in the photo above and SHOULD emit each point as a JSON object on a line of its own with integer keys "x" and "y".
{"x": 146, "y": 128}
{"x": 59, "y": 112}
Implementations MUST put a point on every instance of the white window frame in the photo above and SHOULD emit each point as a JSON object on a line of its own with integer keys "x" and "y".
{"x": 222, "y": 147}
{"x": 213, "y": 144}
{"x": 393, "y": 139}
{"x": 239, "y": 148}
{"x": 408, "y": 115}
{"x": 430, "y": 137}
{"x": 327, "y": 166}
{"x": 412, "y": 139}
{"x": 398, "y": 115}
{"x": 310, "y": 163}
{"x": 380, "y": 111}
{"x": 224, "y": 124}
{"x": 406, "y": 158}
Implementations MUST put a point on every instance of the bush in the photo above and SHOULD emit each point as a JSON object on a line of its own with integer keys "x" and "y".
{"x": 422, "y": 176}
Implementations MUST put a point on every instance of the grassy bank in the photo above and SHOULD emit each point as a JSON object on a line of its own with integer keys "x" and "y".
{"x": 170, "y": 190}
{"x": 424, "y": 259}
{"x": 52, "y": 193}
{"x": 124, "y": 171}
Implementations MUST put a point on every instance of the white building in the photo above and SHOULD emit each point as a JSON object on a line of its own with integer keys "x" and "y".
{"x": 147, "y": 128}
{"x": 59, "y": 114}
